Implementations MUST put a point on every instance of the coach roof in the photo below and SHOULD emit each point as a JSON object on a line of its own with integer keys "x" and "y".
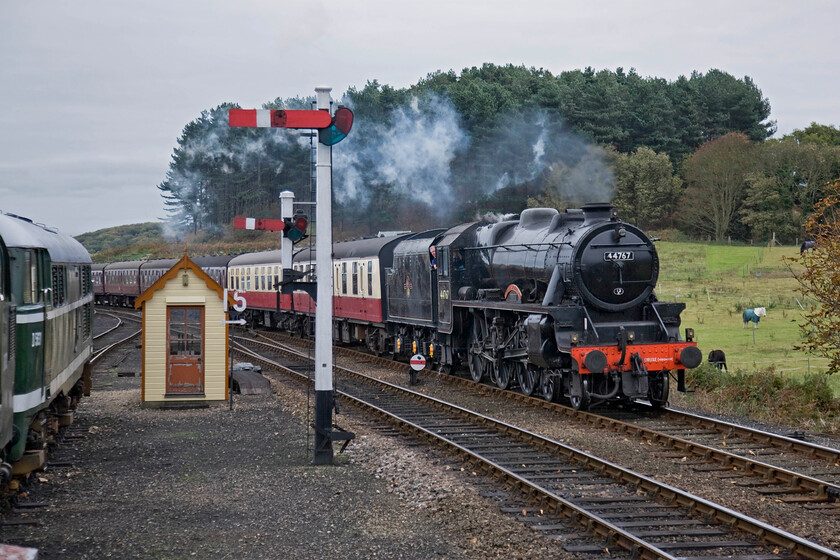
{"x": 364, "y": 248}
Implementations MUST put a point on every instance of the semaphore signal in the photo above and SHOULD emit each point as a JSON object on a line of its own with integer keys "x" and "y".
{"x": 259, "y": 223}
{"x": 270, "y": 118}
{"x": 331, "y": 130}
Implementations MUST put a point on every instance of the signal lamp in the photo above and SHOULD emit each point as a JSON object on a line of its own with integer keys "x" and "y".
{"x": 295, "y": 228}
{"x": 340, "y": 126}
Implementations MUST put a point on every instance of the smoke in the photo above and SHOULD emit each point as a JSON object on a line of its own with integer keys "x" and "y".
{"x": 493, "y": 217}
{"x": 423, "y": 154}
{"x": 413, "y": 152}
{"x": 535, "y": 147}
{"x": 417, "y": 153}
{"x": 583, "y": 177}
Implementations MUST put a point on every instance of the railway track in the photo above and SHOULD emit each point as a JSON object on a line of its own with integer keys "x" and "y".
{"x": 590, "y": 503}
{"x": 115, "y": 336}
{"x": 773, "y": 465}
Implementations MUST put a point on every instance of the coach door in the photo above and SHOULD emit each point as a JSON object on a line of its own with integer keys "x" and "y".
{"x": 185, "y": 338}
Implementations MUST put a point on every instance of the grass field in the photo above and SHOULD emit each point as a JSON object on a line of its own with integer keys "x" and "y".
{"x": 717, "y": 282}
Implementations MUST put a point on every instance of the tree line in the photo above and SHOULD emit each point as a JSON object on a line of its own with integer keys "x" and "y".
{"x": 694, "y": 155}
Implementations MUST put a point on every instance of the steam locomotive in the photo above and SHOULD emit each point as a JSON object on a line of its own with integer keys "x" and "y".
{"x": 559, "y": 305}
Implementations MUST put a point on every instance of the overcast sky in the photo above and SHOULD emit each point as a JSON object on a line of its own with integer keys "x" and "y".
{"x": 94, "y": 93}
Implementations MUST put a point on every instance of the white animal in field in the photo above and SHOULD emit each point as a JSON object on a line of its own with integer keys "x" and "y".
{"x": 753, "y": 315}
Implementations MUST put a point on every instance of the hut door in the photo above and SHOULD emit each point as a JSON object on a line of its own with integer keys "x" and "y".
{"x": 185, "y": 337}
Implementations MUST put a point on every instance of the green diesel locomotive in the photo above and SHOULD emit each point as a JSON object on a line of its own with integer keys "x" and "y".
{"x": 47, "y": 317}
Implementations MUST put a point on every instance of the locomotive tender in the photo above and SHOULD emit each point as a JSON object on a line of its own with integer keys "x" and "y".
{"x": 46, "y": 306}
{"x": 554, "y": 304}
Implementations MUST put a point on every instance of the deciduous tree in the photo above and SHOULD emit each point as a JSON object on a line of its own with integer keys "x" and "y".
{"x": 646, "y": 192}
{"x": 716, "y": 176}
{"x": 820, "y": 279}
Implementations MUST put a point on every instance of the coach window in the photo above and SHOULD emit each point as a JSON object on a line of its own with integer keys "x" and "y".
{"x": 344, "y": 278}
{"x": 355, "y": 278}
{"x": 370, "y": 277}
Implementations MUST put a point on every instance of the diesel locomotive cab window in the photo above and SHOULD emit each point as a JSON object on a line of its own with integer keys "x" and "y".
{"x": 30, "y": 281}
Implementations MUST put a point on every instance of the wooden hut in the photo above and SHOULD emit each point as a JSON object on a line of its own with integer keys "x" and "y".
{"x": 185, "y": 338}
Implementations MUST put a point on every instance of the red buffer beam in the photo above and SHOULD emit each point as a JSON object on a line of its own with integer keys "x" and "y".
{"x": 265, "y": 118}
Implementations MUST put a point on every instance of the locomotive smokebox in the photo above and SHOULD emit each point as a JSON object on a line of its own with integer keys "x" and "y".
{"x": 598, "y": 212}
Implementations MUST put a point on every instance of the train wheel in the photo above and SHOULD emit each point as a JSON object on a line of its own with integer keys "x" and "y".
{"x": 581, "y": 402}
{"x": 504, "y": 377}
{"x": 549, "y": 386}
{"x": 478, "y": 368}
{"x": 658, "y": 389}
{"x": 528, "y": 379}
{"x": 479, "y": 365}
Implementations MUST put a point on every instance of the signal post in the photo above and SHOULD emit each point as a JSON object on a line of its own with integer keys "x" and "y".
{"x": 323, "y": 311}
{"x": 331, "y": 130}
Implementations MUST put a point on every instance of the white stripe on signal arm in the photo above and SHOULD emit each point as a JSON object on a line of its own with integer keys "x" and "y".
{"x": 263, "y": 120}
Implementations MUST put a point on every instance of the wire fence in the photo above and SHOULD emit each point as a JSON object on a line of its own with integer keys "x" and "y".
{"x": 806, "y": 365}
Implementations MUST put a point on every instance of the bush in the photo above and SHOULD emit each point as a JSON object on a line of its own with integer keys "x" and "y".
{"x": 766, "y": 395}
